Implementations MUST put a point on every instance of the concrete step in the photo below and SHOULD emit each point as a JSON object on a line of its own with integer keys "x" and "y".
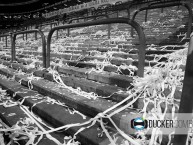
{"x": 86, "y": 106}
{"x": 54, "y": 114}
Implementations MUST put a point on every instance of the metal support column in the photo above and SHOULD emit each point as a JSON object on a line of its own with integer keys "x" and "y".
{"x": 6, "y": 41}
{"x": 162, "y": 10}
{"x": 26, "y": 34}
{"x": 36, "y": 27}
{"x": 186, "y": 103}
{"x": 68, "y": 32}
{"x": 146, "y": 13}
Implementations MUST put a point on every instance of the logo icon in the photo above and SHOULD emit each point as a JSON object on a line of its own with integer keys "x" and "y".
{"x": 139, "y": 123}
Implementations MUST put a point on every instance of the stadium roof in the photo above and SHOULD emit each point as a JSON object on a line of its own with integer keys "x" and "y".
{"x": 15, "y": 12}
{"x": 23, "y": 6}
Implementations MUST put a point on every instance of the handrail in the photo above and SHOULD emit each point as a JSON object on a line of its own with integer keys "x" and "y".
{"x": 46, "y": 24}
{"x": 163, "y": 2}
{"x": 137, "y": 3}
{"x": 5, "y": 35}
{"x": 95, "y": 17}
{"x": 25, "y": 32}
{"x": 114, "y": 8}
{"x": 142, "y": 41}
{"x": 169, "y": 5}
{"x": 186, "y": 102}
{"x": 150, "y": 2}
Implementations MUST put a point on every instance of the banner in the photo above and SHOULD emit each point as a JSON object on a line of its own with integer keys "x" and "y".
{"x": 87, "y": 5}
